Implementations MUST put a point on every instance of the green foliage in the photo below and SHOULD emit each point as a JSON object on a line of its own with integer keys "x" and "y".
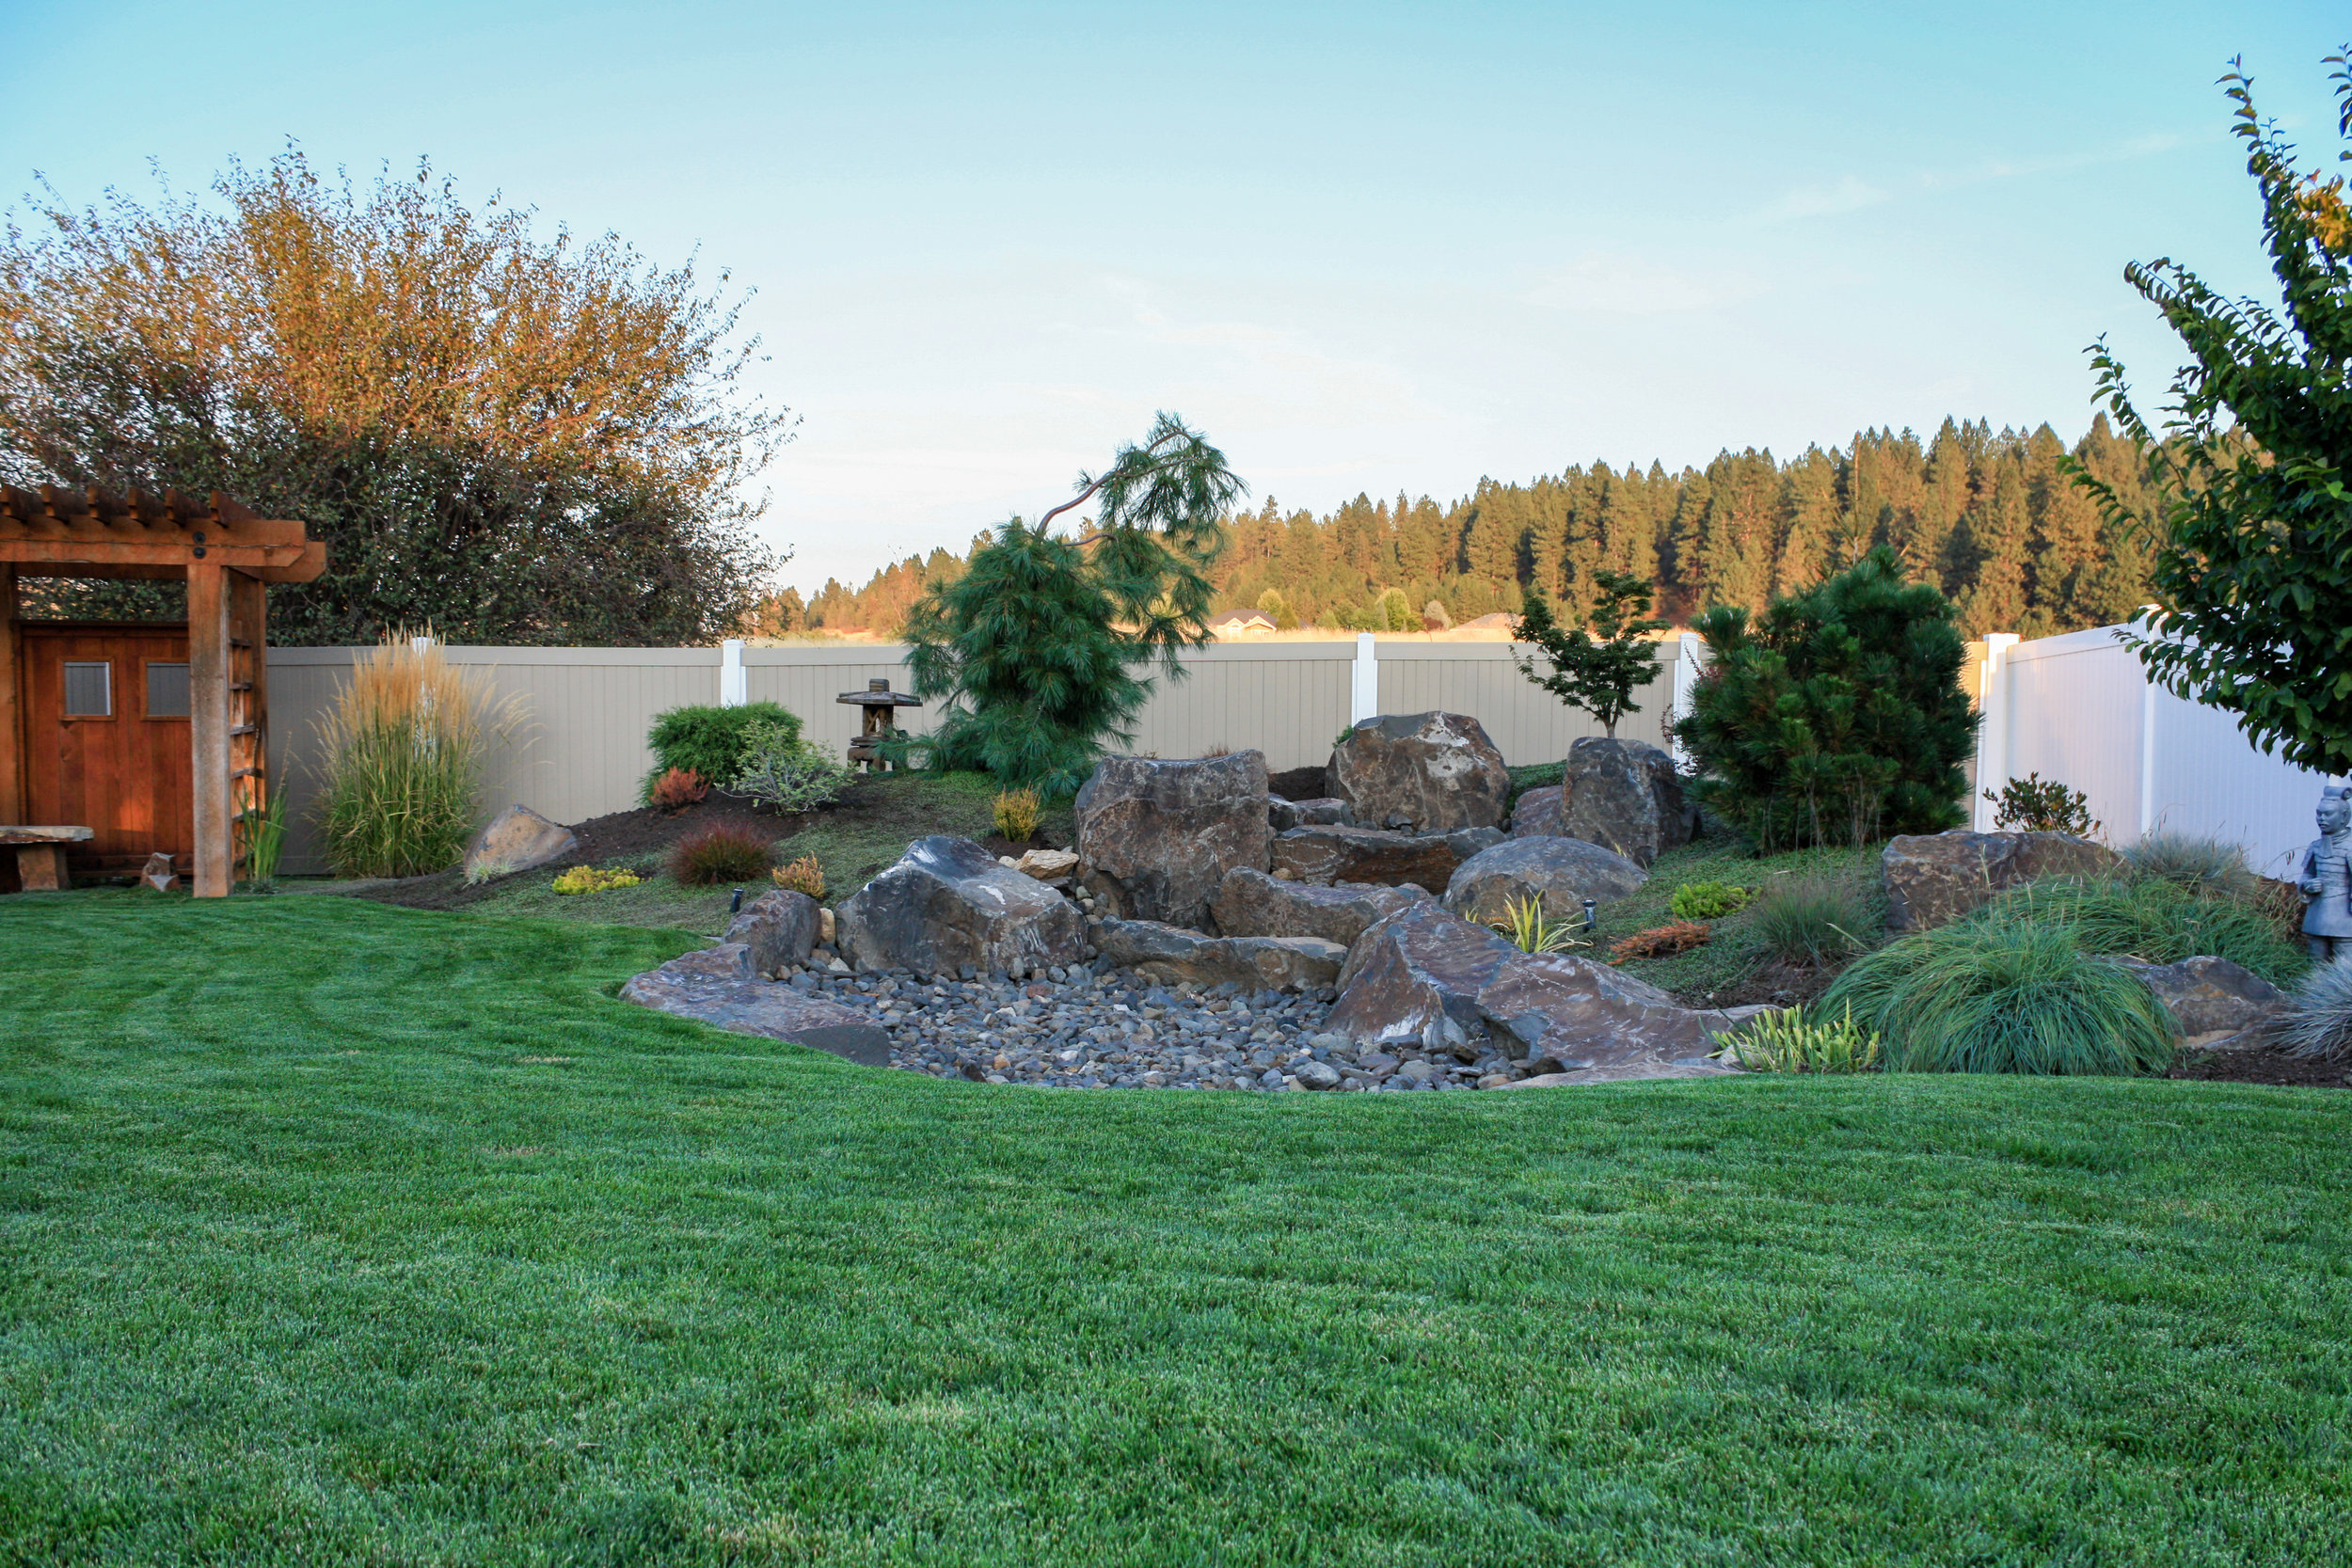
{"x": 1789, "y": 1041}
{"x": 2004, "y": 996}
{"x": 2036, "y": 805}
{"x": 1530, "y": 932}
{"x": 402, "y": 751}
{"x": 1812, "y": 919}
{"x": 1599, "y": 674}
{"x": 581, "y": 879}
{"x": 261, "y": 838}
{"x": 2150, "y": 918}
{"x": 1709, "y": 901}
{"x": 713, "y": 741}
{"x": 2252, "y": 579}
{"x": 1837, "y": 716}
{"x": 720, "y": 854}
{"x": 1015, "y": 812}
{"x": 785, "y": 773}
{"x": 2319, "y": 1025}
{"x": 2199, "y": 863}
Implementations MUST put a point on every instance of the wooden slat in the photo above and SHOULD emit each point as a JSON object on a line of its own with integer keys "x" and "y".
{"x": 208, "y": 726}
{"x": 12, "y": 719}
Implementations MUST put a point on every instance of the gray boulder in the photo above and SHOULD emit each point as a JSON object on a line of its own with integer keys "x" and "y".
{"x": 777, "y": 929}
{"x": 1286, "y": 815}
{"x": 518, "y": 839}
{"x": 1336, "y": 853}
{"x": 948, "y": 903}
{"x": 1170, "y": 954}
{"x": 1933, "y": 877}
{"x": 716, "y": 986}
{"x": 2209, "y": 996}
{"x": 1625, "y": 795}
{"x": 1421, "y": 773}
{"x": 1562, "y": 872}
{"x": 1249, "y": 903}
{"x": 1158, "y": 836}
{"x": 1425, "y": 977}
{"x": 1537, "y": 814}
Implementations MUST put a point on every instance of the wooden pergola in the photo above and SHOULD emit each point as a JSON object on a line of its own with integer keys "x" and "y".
{"x": 228, "y": 556}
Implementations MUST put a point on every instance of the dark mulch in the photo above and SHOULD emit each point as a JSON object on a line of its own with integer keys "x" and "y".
{"x": 2261, "y": 1065}
{"x": 1778, "y": 984}
{"x": 1297, "y": 783}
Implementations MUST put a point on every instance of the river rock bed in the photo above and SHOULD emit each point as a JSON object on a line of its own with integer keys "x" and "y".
{"x": 1074, "y": 1028}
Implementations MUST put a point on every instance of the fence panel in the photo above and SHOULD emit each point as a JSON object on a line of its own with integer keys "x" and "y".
{"x": 1526, "y": 722}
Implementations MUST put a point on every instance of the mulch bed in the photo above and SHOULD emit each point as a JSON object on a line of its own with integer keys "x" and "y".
{"x": 2261, "y": 1065}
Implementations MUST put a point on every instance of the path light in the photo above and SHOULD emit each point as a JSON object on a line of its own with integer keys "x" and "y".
{"x": 1588, "y": 917}
{"x": 734, "y": 905}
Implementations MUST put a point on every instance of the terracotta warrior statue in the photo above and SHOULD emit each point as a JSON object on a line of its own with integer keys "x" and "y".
{"x": 2327, "y": 879}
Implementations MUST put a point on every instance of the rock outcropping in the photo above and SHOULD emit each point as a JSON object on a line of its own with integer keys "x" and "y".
{"x": 1933, "y": 877}
{"x": 2210, "y": 997}
{"x": 1421, "y": 773}
{"x": 1252, "y": 904}
{"x": 1337, "y": 854}
{"x": 717, "y": 985}
{"x": 1625, "y": 795}
{"x": 1158, "y": 836}
{"x": 1537, "y": 814}
{"x": 1170, "y": 954}
{"x": 947, "y": 903}
{"x": 1561, "y": 871}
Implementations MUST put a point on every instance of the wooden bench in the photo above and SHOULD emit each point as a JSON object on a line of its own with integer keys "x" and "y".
{"x": 40, "y": 855}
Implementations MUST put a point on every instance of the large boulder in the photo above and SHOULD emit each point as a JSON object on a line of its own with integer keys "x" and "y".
{"x": 518, "y": 839}
{"x": 1286, "y": 815}
{"x": 1427, "y": 977}
{"x": 2209, "y": 996}
{"x": 1338, "y": 853}
{"x": 1933, "y": 877}
{"x": 1561, "y": 871}
{"x": 1158, "y": 836}
{"x": 948, "y": 903}
{"x": 717, "y": 985}
{"x": 1625, "y": 795}
{"x": 1249, "y": 903}
{"x": 1170, "y": 954}
{"x": 777, "y": 929}
{"x": 1537, "y": 814}
{"x": 1421, "y": 773}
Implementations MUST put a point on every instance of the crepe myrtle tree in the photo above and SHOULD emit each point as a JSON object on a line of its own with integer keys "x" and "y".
{"x": 1599, "y": 674}
{"x": 2252, "y": 571}
{"x": 1038, "y": 648}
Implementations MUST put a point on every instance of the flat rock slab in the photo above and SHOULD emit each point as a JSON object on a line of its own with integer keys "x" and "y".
{"x": 519, "y": 839}
{"x": 1321, "y": 811}
{"x": 1560, "y": 873}
{"x": 715, "y": 986}
{"x": 1250, "y": 903}
{"x": 1170, "y": 954}
{"x": 1935, "y": 878}
{"x": 1626, "y": 1073}
{"x": 1336, "y": 853}
{"x": 1421, "y": 772}
{"x": 947, "y": 903}
{"x": 1156, "y": 835}
{"x": 46, "y": 835}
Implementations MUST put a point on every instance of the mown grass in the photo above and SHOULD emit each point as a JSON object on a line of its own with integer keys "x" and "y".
{"x": 334, "y": 1233}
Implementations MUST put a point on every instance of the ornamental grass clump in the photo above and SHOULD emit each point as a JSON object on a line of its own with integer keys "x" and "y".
{"x": 722, "y": 853}
{"x": 2319, "y": 1025}
{"x": 402, "y": 752}
{"x": 2004, "y": 996}
{"x": 800, "y": 875}
{"x": 2213, "y": 866}
{"x": 1811, "y": 921}
{"x": 2159, "y": 921}
{"x": 1016, "y": 812}
{"x": 1789, "y": 1041}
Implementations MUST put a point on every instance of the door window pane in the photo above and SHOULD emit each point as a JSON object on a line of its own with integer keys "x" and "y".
{"x": 167, "y": 692}
{"x": 89, "y": 690}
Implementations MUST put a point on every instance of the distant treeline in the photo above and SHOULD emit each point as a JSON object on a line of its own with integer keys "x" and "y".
{"x": 1985, "y": 516}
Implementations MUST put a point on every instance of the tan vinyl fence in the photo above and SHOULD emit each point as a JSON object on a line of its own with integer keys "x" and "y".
{"x": 580, "y": 753}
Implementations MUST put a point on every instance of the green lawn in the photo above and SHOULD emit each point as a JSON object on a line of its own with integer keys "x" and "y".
{"x": 333, "y": 1233}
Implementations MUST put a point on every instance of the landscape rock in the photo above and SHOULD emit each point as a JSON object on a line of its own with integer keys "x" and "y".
{"x": 715, "y": 987}
{"x": 2207, "y": 996}
{"x": 518, "y": 839}
{"x": 1312, "y": 1074}
{"x": 1562, "y": 872}
{"x": 1250, "y": 903}
{"x": 946, "y": 904}
{"x": 1465, "y": 842}
{"x": 1157, "y": 835}
{"x": 1048, "y": 865}
{"x": 1537, "y": 814}
{"x": 1286, "y": 815}
{"x": 1338, "y": 853}
{"x": 1170, "y": 954}
{"x": 1421, "y": 773}
{"x": 1933, "y": 878}
{"x": 157, "y": 874}
{"x": 1625, "y": 796}
{"x": 778, "y": 930}
{"x": 1427, "y": 978}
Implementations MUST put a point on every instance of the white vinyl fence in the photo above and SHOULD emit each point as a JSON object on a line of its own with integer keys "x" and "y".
{"x": 2079, "y": 709}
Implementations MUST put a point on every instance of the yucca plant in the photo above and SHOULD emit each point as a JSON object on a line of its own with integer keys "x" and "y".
{"x": 402, "y": 752}
{"x": 1789, "y": 1041}
{"x": 1530, "y": 932}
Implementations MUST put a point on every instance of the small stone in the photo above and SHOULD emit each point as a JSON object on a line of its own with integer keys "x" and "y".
{"x": 1420, "y": 1072}
{"x": 1311, "y": 1074}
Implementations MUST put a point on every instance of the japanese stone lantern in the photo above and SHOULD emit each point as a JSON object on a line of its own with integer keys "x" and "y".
{"x": 879, "y": 703}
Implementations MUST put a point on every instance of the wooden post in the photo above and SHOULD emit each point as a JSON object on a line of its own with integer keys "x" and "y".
{"x": 208, "y": 726}
{"x": 11, "y": 720}
{"x": 248, "y": 692}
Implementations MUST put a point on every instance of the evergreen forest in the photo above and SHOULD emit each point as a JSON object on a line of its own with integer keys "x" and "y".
{"x": 1987, "y": 517}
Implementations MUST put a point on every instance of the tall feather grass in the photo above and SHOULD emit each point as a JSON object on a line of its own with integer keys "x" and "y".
{"x": 2004, "y": 996}
{"x": 402, "y": 752}
{"x": 2154, "y": 918}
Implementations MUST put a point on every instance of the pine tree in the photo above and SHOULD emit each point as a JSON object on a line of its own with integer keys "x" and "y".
{"x": 1994, "y": 533}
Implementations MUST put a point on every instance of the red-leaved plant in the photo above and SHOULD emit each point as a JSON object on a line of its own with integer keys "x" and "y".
{"x": 720, "y": 854}
{"x": 678, "y": 788}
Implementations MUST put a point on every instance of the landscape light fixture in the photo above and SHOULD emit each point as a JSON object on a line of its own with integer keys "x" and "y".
{"x": 1588, "y": 917}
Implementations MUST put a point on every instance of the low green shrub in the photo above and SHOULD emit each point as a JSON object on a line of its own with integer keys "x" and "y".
{"x": 783, "y": 772}
{"x": 2214, "y": 866}
{"x": 1813, "y": 920}
{"x": 1016, "y": 812}
{"x": 2005, "y": 997}
{"x": 2150, "y": 918}
{"x": 722, "y": 853}
{"x": 1792, "y": 1042}
{"x": 2320, "y": 1024}
{"x": 710, "y": 740}
{"x": 1709, "y": 901}
{"x": 2038, "y": 805}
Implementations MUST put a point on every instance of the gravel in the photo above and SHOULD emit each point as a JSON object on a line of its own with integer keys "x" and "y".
{"x": 1083, "y": 1029}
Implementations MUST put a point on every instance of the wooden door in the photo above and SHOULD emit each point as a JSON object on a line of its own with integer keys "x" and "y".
{"x": 106, "y": 739}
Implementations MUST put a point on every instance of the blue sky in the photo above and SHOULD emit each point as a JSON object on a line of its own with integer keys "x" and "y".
{"x": 1366, "y": 247}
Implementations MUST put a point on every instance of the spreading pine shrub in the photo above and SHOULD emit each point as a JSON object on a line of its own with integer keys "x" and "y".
{"x": 712, "y": 741}
{"x": 2004, "y": 996}
{"x": 721, "y": 854}
{"x": 1837, "y": 716}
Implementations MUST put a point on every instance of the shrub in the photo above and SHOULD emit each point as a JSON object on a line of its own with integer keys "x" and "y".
{"x": 2320, "y": 1024}
{"x": 2202, "y": 864}
{"x": 721, "y": 853}
{"x": 1792, "y": 1042}
{"x": 1016, "y": 811}
{"x": 2159, "y": 921}
{"x": 1661, "y": 941}
{"x": 2004, "y": 996}
{"x": 800, "y": 875}
{"x": 1709, "y": 901}
{"x": 1812, "y": 920}
{"x": 587, "y": 878}
{"x": 1835, "y": 718}
{"x": 1524, "y": 922}
{"x": 710, "y": 740}
{"x": 402, "y": 752}
{"x": 677, "y": 789}
{"x": 2039, "y": 805}
{"x": 781, "y": 771}
{"x": 262, "y": 839}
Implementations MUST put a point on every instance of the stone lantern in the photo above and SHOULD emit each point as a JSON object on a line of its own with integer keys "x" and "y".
{"x": 878, "y": 703}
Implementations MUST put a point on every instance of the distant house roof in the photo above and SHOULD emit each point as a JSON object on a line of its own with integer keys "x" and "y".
{"x": 1243, "y": 620}
{"x": 1499, "y": 618}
